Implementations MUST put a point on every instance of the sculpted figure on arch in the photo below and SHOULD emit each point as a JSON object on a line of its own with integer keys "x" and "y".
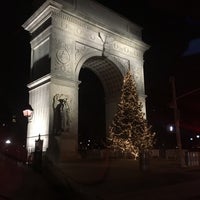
{"x": 61, "y": 114}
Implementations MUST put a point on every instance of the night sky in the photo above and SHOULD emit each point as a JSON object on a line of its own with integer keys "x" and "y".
{"x": 171, "y": 27}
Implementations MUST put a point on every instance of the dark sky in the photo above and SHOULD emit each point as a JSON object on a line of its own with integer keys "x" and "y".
{"x": 171, "y": 27}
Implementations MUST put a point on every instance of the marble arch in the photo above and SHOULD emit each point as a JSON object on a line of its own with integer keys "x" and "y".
{"x": 67, "y": 36}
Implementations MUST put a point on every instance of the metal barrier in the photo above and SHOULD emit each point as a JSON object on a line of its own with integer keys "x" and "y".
{"x": 192, "y": 158}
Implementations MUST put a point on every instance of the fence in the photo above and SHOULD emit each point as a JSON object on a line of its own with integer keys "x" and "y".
{"x": 192, "y": 158}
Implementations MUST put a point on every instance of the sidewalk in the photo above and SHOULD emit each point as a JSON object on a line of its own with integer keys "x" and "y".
{"x": 20, "y": 182}
{"x": 99, "y": 180}
{"x": 122, "y": 180}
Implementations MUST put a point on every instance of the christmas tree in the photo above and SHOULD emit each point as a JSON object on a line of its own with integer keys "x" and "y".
{"x": 129, "y": 131}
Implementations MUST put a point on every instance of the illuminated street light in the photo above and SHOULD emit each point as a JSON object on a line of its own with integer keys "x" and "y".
{"x": 28, "y": 112}
{"x": 170, "y": 128}
{"x": 8, "y": 141}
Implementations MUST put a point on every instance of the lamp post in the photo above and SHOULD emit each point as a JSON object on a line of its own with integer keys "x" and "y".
{"x": 177, "y": 123}
{"x": 28, "y": 113}
{"x": 177, "y": 118}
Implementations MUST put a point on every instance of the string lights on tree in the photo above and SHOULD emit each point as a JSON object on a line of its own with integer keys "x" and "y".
{"x": 129, "y": 131}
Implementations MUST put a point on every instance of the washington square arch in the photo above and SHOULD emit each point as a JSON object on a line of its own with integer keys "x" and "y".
{"x": 80, "y": 51}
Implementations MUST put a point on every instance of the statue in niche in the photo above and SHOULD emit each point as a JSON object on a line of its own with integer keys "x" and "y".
{"x": 61, "y": 114}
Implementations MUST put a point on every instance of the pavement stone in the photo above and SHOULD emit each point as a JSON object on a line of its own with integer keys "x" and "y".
{"x": 122, "y": 179}
{"x": 99, "y": 180}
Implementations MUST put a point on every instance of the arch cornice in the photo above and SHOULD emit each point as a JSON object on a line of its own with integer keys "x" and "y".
{"x": 61, "y": 20}
{"x": 42, "y": 15}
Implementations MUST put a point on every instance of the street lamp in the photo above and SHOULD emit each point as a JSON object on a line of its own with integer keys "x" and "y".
{"x": 8, "y": 141}
{"x": 28, "y": 112}
{"x": 170, "y": 128}
{"x": 177, "y": 123}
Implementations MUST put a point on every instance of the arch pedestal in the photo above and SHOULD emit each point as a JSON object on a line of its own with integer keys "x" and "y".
{"x": 65, "y": 149}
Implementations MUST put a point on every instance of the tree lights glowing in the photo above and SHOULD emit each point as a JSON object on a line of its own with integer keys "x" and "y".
{"x": 129, "y": 131}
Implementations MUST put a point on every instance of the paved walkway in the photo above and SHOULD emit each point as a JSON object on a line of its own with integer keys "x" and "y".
{"x": 122, "y": 180}
{"x": 20, "y": 182}
{"x": 99, "y": 180}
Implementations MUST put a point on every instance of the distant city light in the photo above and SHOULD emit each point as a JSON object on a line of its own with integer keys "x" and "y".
{"x": 171, "y": 128}
{"x": 191, "y": 139}
{"x": 14, "y": 119}
{"x": 198, "y": 136}
{"x": 8, "y": 141}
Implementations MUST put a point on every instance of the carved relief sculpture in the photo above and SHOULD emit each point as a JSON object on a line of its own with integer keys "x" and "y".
{"x": 61, "y": 114}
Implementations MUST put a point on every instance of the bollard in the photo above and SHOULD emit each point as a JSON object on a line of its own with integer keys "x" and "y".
{"x": 144, "y": 161}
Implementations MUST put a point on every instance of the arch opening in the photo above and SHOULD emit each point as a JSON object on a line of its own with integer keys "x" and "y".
{"x": 99, "y": 94}
{"x": 91, "y": 126}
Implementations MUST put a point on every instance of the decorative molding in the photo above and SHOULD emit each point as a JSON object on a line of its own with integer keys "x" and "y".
{"x": 82, "y": 50}
{"x": 124, "y": 63}
{"x": 64, "y": 82}
{"x": 41, "y": 38}
{"x": 125, "y": 49}
{"x": 69, "y": 18}
{"x": 40, "y": 81}
{"x": 42, "y": 15}
{"x": 61, "y": 20}
{"x": 84, "y": 32}
{"x": 137, "y": 72}
{"x": 62, "y": 56}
